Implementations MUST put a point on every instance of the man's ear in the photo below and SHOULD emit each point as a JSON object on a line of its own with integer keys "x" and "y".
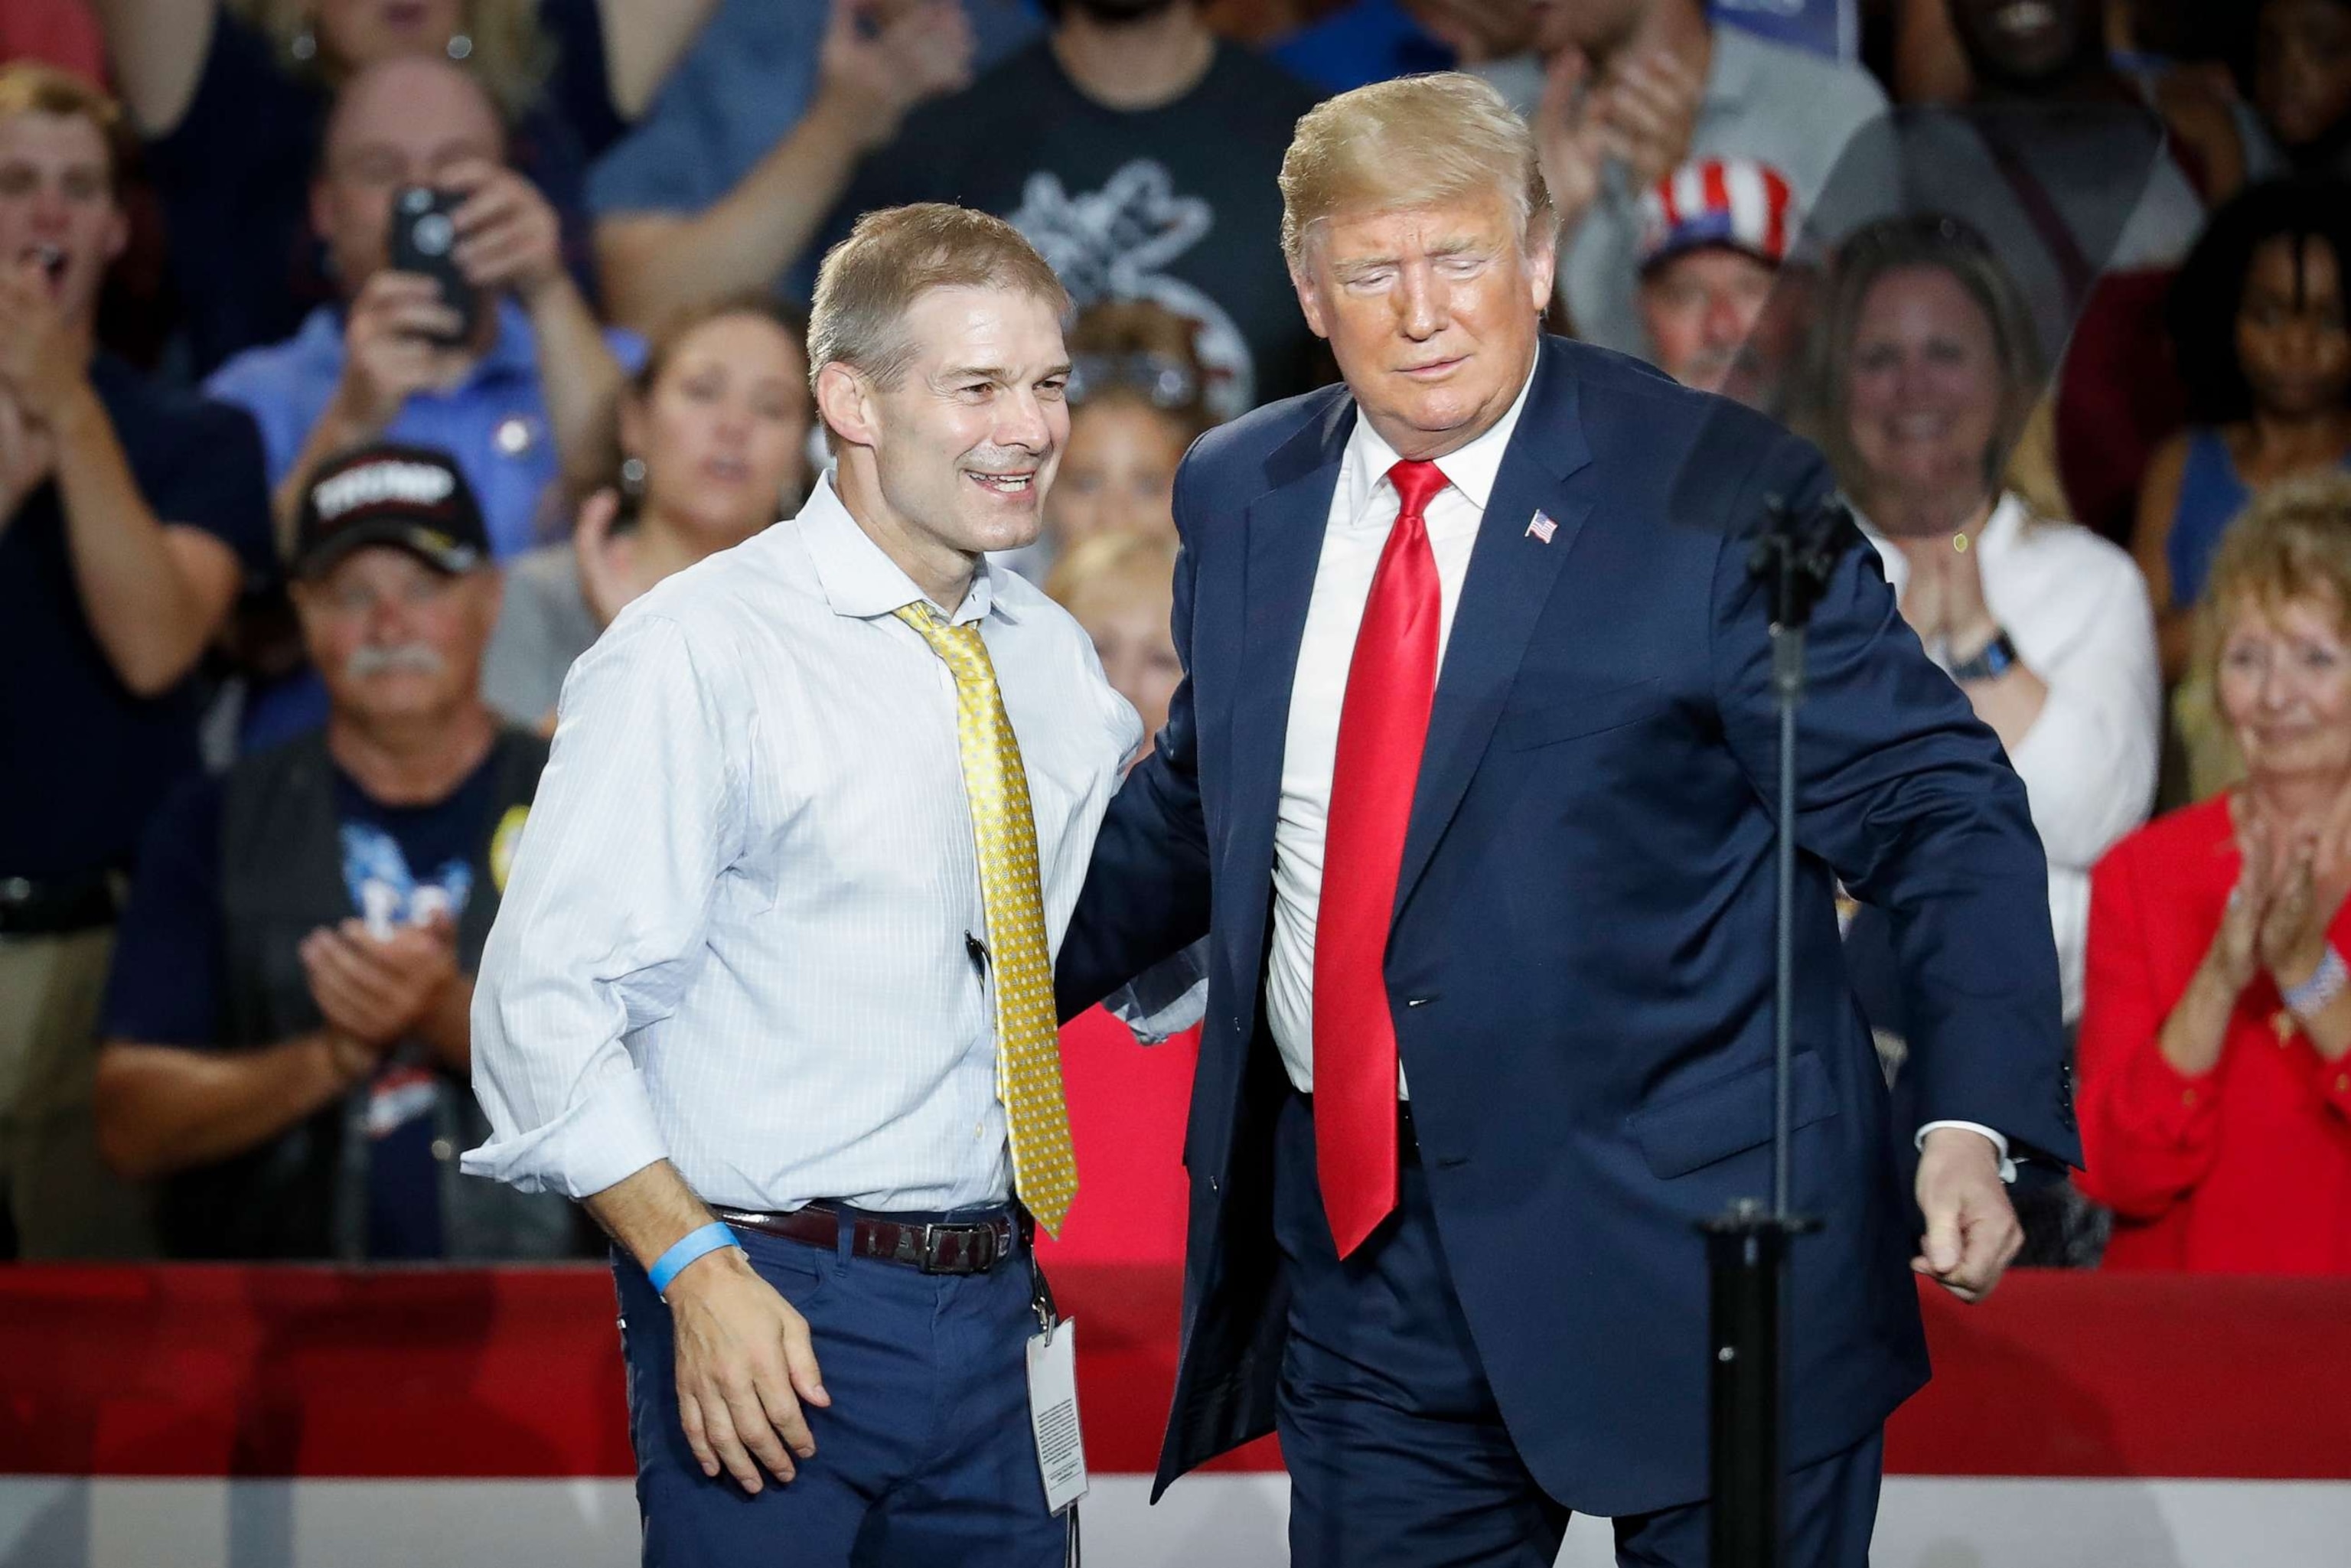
{"x": 845, "y": 400}
{"x": 1542, "y": 264}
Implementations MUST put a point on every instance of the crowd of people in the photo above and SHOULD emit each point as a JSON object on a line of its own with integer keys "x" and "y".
{"x": 360, "y": 361}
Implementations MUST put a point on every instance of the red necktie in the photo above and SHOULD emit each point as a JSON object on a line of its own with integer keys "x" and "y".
{"x": 1382, "y": 724}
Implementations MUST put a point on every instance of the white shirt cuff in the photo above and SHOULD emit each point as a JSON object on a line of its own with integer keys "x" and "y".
{"x": 2007, "y": 1166}
{"x": 602, "y": 1140}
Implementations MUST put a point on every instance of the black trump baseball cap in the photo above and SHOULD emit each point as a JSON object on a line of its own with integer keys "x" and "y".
{"x": 410, "y": 497}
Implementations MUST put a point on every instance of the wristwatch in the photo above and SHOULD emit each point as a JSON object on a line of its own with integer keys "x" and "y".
{"x": 1998, "y": 657}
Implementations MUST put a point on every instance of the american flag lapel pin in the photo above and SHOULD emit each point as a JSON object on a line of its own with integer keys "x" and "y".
{"x": 1541, "y": 528}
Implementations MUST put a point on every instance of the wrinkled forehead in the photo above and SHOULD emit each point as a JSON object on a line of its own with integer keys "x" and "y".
{"x": 1479, "y": 222}
{"x": 984, "y": 329}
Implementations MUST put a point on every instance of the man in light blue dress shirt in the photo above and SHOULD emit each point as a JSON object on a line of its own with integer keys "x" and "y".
{"x": 739, "y": 972}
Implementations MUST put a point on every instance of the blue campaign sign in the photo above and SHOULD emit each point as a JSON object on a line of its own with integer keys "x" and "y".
{"x": 1829, "y": 27}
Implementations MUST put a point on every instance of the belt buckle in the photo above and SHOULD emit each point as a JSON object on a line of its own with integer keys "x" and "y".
{"x": 975, "y": 1256}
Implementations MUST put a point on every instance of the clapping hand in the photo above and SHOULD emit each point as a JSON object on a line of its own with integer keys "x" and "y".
{"x": 887, "y": 55}
{"x": 1640, "y": 114}
{"x": 377, "y": 990}
{"x": 43, "y": 361}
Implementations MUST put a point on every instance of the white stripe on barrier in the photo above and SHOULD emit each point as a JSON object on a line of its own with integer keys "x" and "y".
{"x": 1234, "y": 1521}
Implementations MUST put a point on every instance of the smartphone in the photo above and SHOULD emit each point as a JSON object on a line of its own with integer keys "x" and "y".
{"x": 422, "y": 240}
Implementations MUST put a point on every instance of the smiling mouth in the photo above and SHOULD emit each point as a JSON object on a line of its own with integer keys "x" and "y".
{"x": 1021, "y": 483}
{"x": 2024, "y": 16}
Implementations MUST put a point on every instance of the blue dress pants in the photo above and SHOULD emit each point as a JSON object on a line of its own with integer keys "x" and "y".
{"x": 1396, "y": 1450}
{"x": 924, "y": 1456}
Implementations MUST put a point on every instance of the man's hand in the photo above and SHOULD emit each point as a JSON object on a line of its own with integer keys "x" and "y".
{"x": 27, "y": 456}
{"x": 44, "y": 362}
{"x": 1649, "y": 106}
{"x": 508, "y": 237}
{"x": 603, "y": 585}
{"x": 745, "y": 1366}
{"x": 389, "y": 354}
{"x": 1570, "y": 138}
{"x": 1972, "y": 1228}
{"x": 377, "y": 990}
{"x": 882, "y": 57}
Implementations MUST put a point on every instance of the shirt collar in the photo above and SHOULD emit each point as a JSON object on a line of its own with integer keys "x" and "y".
{"x": 1472, "y": 470}
{"x": 860, "y": 580}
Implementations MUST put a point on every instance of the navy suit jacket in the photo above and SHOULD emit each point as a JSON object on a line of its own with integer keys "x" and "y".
{"x": 1581, "y": 960}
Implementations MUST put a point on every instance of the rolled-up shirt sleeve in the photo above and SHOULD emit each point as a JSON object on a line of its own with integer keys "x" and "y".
{"x": 636, "y": 819}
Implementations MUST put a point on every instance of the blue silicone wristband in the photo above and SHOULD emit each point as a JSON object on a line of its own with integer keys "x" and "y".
{"x": 693, "y": 1245}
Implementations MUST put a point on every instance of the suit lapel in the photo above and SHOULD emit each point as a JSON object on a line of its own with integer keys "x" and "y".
{"x": 1285, "y": 532}
{"x": 1511, "y": 578}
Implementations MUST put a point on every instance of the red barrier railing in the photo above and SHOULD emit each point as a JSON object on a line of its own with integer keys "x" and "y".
{"x": 220, "y": 1371}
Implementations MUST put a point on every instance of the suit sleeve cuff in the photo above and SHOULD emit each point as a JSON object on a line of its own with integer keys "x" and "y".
{"x": 1999, "y": 1142}
{"x": 602, "y": 1139}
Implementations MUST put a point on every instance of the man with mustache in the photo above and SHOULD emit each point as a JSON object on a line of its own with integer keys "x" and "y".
{"x": 128, "y": 517}
{"x": 287, "y": 1042}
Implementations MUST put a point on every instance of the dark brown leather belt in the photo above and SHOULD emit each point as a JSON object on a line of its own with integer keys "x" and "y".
{"x": 935, "y": 1246}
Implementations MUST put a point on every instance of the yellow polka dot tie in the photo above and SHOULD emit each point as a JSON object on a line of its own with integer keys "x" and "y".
{"x": 1004, "y": 831}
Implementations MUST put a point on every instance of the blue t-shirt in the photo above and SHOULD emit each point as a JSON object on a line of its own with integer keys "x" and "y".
{"x": 1371, "y": 41}
{"x": 84, "y": 761}
{"x": 168, "y": 984}
{"x": 494, "y": 425}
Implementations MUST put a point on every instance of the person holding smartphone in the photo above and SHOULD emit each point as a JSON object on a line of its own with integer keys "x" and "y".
{"x": 492, "y": 356}
{"x": 498, "y": 360}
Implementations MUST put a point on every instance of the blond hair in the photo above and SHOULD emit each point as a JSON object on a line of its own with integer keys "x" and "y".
{"x": 890, "y": 259}
{"x": 2291, "y": 545}
{"x": 1112, "y": 564}
{"x": 1415, "y": 141}
{"x": 30, "y": 86}
{"x": 509, "y": 54}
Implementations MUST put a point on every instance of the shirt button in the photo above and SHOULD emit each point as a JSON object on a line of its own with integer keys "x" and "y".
{"x": 442, "y": 1149}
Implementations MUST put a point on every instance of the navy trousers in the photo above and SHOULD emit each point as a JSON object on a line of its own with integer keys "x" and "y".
{"x": 1396, "y": 1450}
{"x": 924, "y": 1456}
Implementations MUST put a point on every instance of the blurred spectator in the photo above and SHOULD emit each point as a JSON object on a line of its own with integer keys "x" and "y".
{"x": 127, "y": 519}
{"x": 1623, "y": 91}
{"x": 1120, "y": 587}
{"x": 517, "y": 395}
{"x": 286, "y": 1024}
{"x": 2216, "y": 1048}
{"x": 1140, "y": 153}
{"x": 2279, "y": 105}
{"x": 2259, "y": 334}
{"x": 61, "y": 33}
{"x": 712, "y": 446}
{"x": 1932, "y": 367}
{"x": 1135, "y": 389}
{"x": 1127, "y": 1111}
{"x": 234, "y": 98}
{"x": 1353, "y": 44}
{"x": 735, "y": 169}
{"x": 2060, "y": 161}
{"x": 1715, "y": 239}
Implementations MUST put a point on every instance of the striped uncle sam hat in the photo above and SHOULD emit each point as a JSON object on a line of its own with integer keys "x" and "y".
{"x": 1739, "y": 202}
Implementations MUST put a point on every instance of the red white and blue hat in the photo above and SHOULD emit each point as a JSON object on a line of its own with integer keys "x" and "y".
{"x": 1739, "y": 202}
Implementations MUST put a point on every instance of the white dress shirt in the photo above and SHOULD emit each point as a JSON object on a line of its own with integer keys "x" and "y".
{"x": 2076, "y": 608}
{"x": 740, "y": 928}
{"x": 1363, "y": 507}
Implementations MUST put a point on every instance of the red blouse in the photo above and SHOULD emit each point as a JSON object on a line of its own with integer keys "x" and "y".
{"x": 2243, "y": 1169}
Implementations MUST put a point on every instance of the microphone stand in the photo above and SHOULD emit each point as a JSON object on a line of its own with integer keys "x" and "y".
{"x": 1747, "y": 1245}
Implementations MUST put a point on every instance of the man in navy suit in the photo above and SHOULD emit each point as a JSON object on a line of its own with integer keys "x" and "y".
{"x": 1471, "y": 782}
